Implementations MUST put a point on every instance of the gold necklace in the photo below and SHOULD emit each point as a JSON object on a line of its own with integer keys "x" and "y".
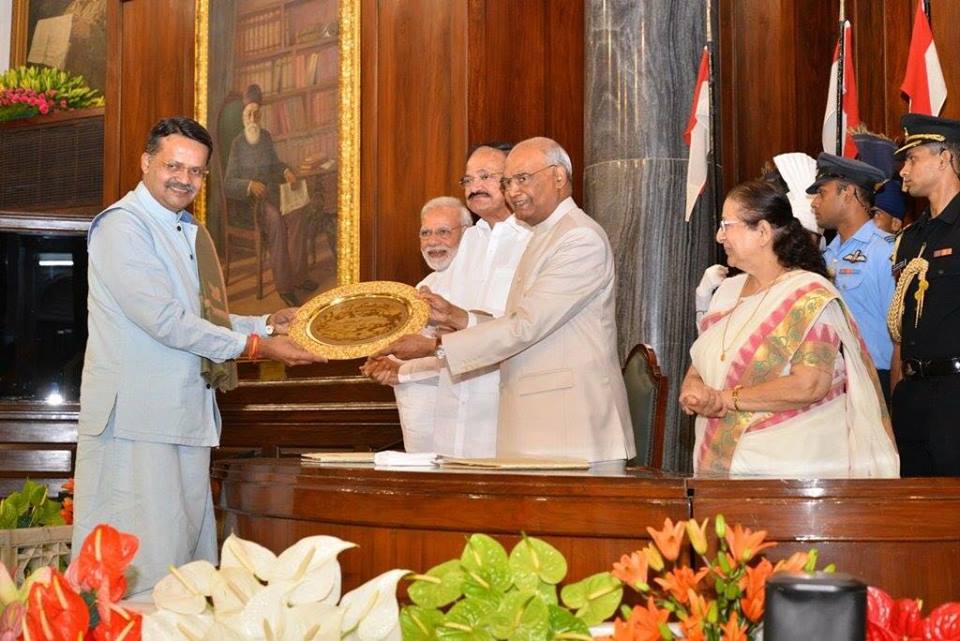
{"x": 723, "y": 335}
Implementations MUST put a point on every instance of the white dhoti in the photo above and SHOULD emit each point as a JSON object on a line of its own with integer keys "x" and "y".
{"x": 156, "y": 491}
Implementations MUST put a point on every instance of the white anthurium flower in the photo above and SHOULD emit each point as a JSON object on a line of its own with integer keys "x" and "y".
{"x": 186, "y": 588}
{"x": 306, "y": 555}
{"x": 312, "y": 622}
{"x": 371, "y": 612}
{"x": 253, "y": 557}
{"x": 165, "y": 625}
{"x": 262, "y": 617}
{"x": 321, "y": 585}
{"x": 231, "y": 589}
{"x": 220, "y": 632}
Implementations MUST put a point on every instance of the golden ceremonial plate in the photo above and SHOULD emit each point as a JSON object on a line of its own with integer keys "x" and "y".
{"x": 357, "y": 320}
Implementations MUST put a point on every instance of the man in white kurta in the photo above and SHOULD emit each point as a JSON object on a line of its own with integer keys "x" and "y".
{"x": 561, "y": 392}
{"x": 148, "y": 418}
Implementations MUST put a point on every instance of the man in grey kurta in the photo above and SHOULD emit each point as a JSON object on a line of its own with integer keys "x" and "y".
{"x": 148, "y": 418}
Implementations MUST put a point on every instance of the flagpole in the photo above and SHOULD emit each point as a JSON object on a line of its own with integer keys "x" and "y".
{"x": 840, "y": 60}
{"x": 714, "y": 117}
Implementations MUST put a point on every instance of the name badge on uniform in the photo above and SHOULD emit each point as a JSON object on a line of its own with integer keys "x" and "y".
{"x": 846, "y": 271}
{"x": 897, "y": 268}
{"x": 856, "y": 256}
{"x": 946, "y": 251}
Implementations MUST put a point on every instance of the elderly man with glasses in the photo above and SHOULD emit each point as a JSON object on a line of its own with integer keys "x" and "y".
{"x": 561, "y": 392}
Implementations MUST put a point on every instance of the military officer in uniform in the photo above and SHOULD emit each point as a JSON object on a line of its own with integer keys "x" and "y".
{"x": 925, "y": 314}
{"x": 858, "y": 257}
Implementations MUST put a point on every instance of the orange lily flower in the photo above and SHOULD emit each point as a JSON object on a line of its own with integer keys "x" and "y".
{"x": 794, "y": 563}
{"x": 680, "y": 581}
{"x": 654, "y": 560}
{"x": 753, "y": 583}
{"x": 632, "y": 570}
{"x": 733, "y": 631}
{"x": 745, "y": 543}
{"x": 693, "y": 624}
{"x": 642, "y": 625}
{"x": 668, "y": 539}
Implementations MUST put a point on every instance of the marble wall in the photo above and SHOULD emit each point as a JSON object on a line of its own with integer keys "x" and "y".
{"x": 641, "y": 60}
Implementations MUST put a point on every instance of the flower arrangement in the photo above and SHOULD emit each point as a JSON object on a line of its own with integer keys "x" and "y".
{"x": 29, "y": 91}
{"x": 890, "y": 619}
{"x": 30, "y": 507}
{"x": 81, "y": 603}
{"x": 723, "y": 600}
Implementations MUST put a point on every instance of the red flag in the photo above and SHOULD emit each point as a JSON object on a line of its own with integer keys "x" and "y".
{"x": 923, "y": 81}
{"x": 851, "y": 109}
{"x": 697, "y": 135}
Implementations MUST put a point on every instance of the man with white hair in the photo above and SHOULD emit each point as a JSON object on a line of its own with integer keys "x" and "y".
{"x": 561, "y": 392}
{"x": 252, "y": 183}
{"x": 442, "y": 223}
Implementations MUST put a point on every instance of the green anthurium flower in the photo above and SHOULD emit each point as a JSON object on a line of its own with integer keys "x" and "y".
{"x": 522, "y": 616}
{"x": 566, "y": 626}
{"x": 532, "y": 556}
{"x": 420, "y": 624}
{"x": 548, "y": 593}
{"x": 467, "y": 621}
{"x": 440, "y": 586}
{"x": 594, "y": 598}
{"x": 483, "y": 552}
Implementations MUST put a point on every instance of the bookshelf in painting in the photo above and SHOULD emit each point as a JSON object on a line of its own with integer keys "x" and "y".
{"x": 290, "y": 48}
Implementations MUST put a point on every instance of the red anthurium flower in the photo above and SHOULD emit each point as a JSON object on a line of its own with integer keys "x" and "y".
{"x": 55, "y": 612}
{"x": 124, "y": 625}
{"x": 889, "y": 619}
{"x": 104, "y": 556}
{"x": 943, "y": 624}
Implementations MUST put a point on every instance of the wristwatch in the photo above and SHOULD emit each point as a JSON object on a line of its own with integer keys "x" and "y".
{"x": 439, "y": 351}
{"x": 271, "y": 330}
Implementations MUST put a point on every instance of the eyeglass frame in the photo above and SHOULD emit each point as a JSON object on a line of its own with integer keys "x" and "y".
{"x": 522, "y": 178}
{"x": 466, "y": 180}
{"x": 722, "y": 227}
{"x": 175, "y": 168}
{"x": 441, "y": 232}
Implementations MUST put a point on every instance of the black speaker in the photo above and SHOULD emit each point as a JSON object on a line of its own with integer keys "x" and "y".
{"x": 821, "y": 606}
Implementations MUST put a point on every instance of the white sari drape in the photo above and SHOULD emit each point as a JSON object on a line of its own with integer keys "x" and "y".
{"x": 846, "y": 434}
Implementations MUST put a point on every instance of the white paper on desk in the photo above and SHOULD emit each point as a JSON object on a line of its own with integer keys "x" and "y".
{"x": 393, "y": 458}
{"x": 51, "y": 41}
{"x": 293, "y": 197}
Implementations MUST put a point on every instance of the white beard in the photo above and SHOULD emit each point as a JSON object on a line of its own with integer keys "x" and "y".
{"x": 438, "y": 263}
{"x": 251, "y": 131}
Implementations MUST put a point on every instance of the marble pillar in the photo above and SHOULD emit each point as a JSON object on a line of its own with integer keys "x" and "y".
{"x": 641, "y": 59}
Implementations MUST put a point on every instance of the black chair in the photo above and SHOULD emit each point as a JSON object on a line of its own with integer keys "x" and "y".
{"x": 647, "y": 396}
{"x": 238, "y": 231}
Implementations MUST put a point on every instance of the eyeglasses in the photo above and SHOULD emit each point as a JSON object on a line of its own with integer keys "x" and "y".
{"x": 173, "y": 167}
{"x": 521, "y": 178}
{"x": 727, "y": 223}
{"x": 442, "y": 233}
{"x": 482, "y": 177}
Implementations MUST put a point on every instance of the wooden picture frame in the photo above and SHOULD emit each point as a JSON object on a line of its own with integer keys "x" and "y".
{"x": 88, "y": 49}
{"x": 295, "y": 63}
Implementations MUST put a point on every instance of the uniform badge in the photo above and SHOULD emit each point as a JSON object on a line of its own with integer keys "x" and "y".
{"x": 856, "y": 256}
{"x": 946, "y": 251}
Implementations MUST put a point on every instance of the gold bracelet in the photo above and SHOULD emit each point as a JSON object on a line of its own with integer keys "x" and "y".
{"x": 735, "y": 397}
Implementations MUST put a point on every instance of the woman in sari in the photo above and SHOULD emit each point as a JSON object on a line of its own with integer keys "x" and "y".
{"x": 781, "y": 382}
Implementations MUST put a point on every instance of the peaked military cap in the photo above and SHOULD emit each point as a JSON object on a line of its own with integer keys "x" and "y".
{"x": 830, "y": 167}
{"x": 919, "y": 129}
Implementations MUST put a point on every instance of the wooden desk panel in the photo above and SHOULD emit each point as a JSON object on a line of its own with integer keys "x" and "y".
{"x": 416, "y": 519}
{"x": 900, "y": 535}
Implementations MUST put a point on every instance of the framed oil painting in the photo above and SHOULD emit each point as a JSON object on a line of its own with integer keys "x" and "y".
{"x": 66, "y": 34}
{"x": 277, "y": 85}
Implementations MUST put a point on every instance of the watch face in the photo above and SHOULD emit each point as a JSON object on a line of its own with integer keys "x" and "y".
{"x": 357, "y": 320}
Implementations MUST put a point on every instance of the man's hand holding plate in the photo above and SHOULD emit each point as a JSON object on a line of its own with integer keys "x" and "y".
{"x": 409, "y": 347}
{"x": 383, "y": 370}
{"x": 285, "y": 350}
{"x": 443, "y": 313}
{"x": 280, "y": 320}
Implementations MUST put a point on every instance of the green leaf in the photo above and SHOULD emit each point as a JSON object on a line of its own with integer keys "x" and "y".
{"x": 444, "y": 586}
{"x": 548, "y": 593}
{"x": 538, "y": 558}
{"x": 489, "y": 585}
{"x": 566, "y": 626}
{"x": 8, "y": 515}
{"x": 467, "y": 621}
{"x": 419, "y": 624}
{"x": 594, "y": 598}
{"x": 486, "y": 567}
{"x": 522, "y": 616}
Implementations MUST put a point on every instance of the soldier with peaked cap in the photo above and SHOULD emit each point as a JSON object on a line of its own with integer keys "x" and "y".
{"x": 858, "y": 257}
{"x": 890, "y": 204}
{"x": 925, "y": 313}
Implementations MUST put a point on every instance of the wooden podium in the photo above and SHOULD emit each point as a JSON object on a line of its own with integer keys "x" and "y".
{"x": 900, "y": 535}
